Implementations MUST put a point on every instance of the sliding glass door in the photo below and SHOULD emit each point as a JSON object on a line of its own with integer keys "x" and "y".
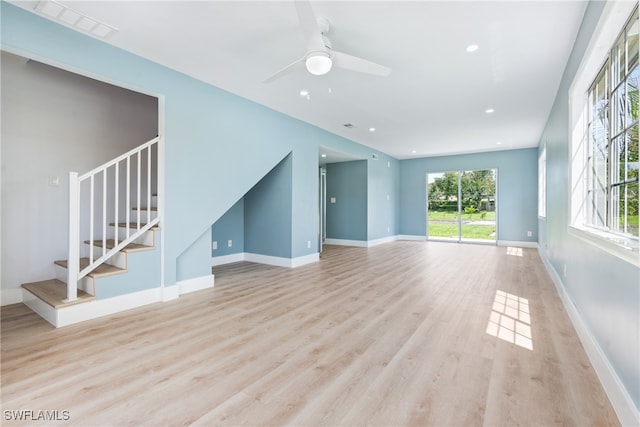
{"x": 461, "y": 206}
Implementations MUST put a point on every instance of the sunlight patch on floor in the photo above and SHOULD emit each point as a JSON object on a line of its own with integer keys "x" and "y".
{"x": 514, "y": 251}
{"x": 510, "y": 319}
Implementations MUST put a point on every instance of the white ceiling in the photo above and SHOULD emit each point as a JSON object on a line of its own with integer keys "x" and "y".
{"x": 433, "y": 102}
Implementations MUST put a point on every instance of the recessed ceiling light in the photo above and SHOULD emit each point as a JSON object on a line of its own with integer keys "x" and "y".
{"x": 499, "y": 143}
{"x": 472, "y": 48}
{"x": 323, "y": 155}
{"x": 372, "y": 129}
{"x": 489, "y": 110}
{"x": 304, "y": 93}
{"x": 413, "y": 151}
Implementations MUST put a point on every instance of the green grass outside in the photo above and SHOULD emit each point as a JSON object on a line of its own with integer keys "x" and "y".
{"x": 453, "y": 216}
{"x": 468, "y": 231}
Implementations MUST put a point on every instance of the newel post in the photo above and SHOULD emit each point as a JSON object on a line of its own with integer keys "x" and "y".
{"x": 73, "y": 260}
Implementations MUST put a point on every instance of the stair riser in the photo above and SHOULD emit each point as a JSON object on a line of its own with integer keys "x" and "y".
{"x": 143, "y": 216}
{"x": 119, "y": 259}
{"x": 85, "y": 284}
{"x": 146, "y": 239}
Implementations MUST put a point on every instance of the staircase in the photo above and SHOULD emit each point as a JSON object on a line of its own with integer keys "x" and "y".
{"x": 116, "y": 202}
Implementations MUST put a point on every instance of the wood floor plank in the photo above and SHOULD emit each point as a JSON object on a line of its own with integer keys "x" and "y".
{"x": 397, "y": 334}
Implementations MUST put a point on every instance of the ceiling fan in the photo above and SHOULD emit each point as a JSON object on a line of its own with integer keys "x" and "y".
{"x": 320, "y": 57}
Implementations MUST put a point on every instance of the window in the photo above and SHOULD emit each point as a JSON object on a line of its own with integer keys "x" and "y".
{"x": 612, "y": 183}
{"x": 605, "y": 165}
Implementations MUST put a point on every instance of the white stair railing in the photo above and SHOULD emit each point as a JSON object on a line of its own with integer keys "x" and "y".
{"x": 138, "y": 165}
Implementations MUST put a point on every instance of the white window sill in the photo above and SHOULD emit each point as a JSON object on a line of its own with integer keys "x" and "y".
{"x": 621, "y": 247}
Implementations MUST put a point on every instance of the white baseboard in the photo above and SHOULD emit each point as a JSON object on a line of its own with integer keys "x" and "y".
{"x": 411, "y": 237}
{"x": 304, "y": 260}
{"x": 266, "y": 259}
{"x": 195, "y": 284}
{"x": 518, "y": 244}
{"x": 90, "y": 310}
{"x": 170, "y": 293}
{"x": 227, "y": 259}
{"x": 344, "y": 242}
{"x": 381, "y": 240}
{"x": 10, "y": 296}
{"x": 625, "y": 409}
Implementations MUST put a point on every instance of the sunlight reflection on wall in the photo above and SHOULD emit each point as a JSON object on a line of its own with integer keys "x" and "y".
{"x": 510, "y": 320}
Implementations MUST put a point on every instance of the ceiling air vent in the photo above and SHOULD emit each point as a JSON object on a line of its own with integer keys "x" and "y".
{"x": 348, "y": 125}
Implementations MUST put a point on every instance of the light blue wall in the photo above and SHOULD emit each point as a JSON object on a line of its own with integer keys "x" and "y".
{"x": 212, "y": 156}
{"x": 195, "y": 261}
{"x": 604, "y": 288}
{"x": 230, "y": 226}
{"x": 267, "y": 213}
{"x": 347, "y": 183}
{"x": 517, "y": 203}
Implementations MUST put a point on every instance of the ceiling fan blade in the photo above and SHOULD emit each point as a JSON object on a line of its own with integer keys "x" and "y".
{"x": 286, "y": 70}
{"x": 309, "y": 23}
{"x": 353, "y": 63}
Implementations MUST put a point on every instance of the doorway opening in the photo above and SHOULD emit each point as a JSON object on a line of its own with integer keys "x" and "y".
{"x": 461, "y": 206}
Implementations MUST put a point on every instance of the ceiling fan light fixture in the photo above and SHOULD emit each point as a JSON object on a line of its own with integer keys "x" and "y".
{"x": 318, "y": 63}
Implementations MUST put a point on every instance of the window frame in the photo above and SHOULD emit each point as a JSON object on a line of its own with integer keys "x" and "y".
{"x": 613, "y": 23}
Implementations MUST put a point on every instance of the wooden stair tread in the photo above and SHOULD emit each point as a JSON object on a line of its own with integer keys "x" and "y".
{"x": 131, "y": 247}
{"x": 134, "y": 226}
{"x": 103, "y": 270}
{"x": 53, "y": 292}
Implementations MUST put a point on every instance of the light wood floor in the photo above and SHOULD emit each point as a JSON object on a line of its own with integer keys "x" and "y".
{"x": 391, "y": 335}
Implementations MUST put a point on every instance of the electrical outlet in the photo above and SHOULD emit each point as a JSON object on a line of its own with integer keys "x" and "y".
{"x": 230, "y": 243}
{"x": 333, "y": 200}
{"x": 308, "y": 244}
{"x": 529, "y": 233}
{"x": 214, "y": 245}
{"x": 388, "y": 229}
{"x": 54, "y": 181}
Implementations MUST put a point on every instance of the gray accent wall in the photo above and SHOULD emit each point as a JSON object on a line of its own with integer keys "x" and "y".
{"x": 54, "y": 122}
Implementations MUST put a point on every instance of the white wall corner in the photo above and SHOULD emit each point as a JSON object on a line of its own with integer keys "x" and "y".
{"x": 623, "y": 405}
{"x": 10, "y": 296}
{"x": 518, "y": 244}
{"x": 196, "y": 284}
